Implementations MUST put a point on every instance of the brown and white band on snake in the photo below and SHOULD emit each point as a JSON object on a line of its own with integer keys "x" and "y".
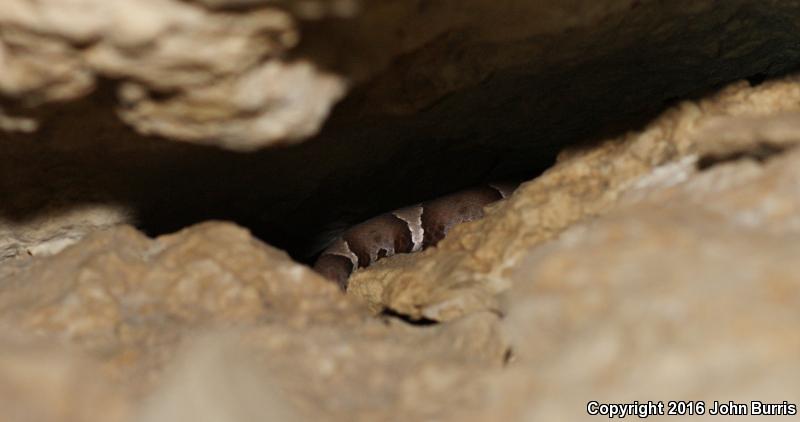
{"x": 409, "y": 229}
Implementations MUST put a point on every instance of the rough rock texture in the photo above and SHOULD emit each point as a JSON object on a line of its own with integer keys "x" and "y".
{"x": 217, "y": 74}
{"x": 130, "y": 302}
{"x": 443, "y": 95}
{"x": 56, "y": 229}
{"x": 40, "y": 381}
{"x": 119, "y": 293}
{"x": 689, "y": 292}
{"x": 656, "y": 266}
{"x": 659, "y": 264}
{"x": 466, "y": 270}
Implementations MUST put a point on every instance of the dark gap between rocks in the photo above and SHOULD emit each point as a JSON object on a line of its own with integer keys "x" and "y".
{"x": 761, "y": 153}
{"x": 287, "y": 197}
{"x": 511, "y": 126}
{"x": 423, "y": 322}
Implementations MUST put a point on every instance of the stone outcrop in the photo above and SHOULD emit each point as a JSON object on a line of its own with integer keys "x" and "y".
{"x": 655, "y": 259}
{"x": 667, "y": 254}
{"x": 468, "y": 269}
{"x": 216, "y": 75}
{"x": 440, "y": 96}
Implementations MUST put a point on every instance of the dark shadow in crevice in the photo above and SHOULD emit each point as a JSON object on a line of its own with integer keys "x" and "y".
{"x": 508, "y": 356}
{"x": 761, "y": 153}
{"x": 757, "y": 79}
{"x": 423, "y": 322}
{"x": 367, "y": 160}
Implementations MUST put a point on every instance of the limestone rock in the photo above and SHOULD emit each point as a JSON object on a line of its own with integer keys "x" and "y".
{"x": 114, "y": 283}
{"x": 137, "y": 306}
{"x": 687, "y": 293}
{"x": 216, "y": 74}
{"x": 56, "y": 229}
{"x": 45, "y": 381}
{"x": 440, "y": 95}
{"x": 213, "y": 380}
{"x": 472, "y": 264}
{"x": 654, "y": 264}
{"x": 664, "y": 269}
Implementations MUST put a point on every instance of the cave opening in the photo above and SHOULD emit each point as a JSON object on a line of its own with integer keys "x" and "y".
{"x": 359, "y": 166}
{"x": 366, "y": 160}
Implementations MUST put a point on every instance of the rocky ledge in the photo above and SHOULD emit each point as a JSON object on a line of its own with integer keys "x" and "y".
{"x": 165, "y": 167}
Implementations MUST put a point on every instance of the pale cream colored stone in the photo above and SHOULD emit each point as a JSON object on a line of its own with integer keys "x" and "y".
{"x": 687, "y": 293}
{"x": 136, "y": 306}
{"x": 210, "y": 63}
{"x": 56, "y": 229}
{"x": 48, "y": 382}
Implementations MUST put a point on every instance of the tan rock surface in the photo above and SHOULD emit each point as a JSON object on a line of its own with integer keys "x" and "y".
{"x": 56, "y": 229}
{"x": 441, "y": 95}
{"x": 689, "y": 294}
{"x": 656, "y": 265}
{"x": 219, "y": 71}
{"x": 465, "y": 271}
{"x": 119, "y": 287}
{"x": 131, "y": 304}
{"x": 47, "y": 382}
{"x": 662, "y": 270}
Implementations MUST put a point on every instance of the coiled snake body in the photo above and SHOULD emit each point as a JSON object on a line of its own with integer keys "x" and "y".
{"x": 408, "y": 229}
